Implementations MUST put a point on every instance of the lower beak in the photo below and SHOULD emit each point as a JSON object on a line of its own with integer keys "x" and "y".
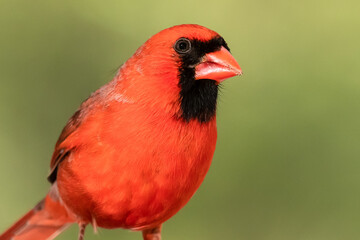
{"x": 217, "y": 66}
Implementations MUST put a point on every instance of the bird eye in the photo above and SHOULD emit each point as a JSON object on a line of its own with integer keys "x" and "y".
{"x": 182, "y": 45}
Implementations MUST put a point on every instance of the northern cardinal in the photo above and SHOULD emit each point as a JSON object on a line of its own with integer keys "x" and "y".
{"x": 138, "y": 148}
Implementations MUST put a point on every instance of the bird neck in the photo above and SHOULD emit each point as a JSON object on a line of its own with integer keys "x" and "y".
{"x": 179, "y": 95}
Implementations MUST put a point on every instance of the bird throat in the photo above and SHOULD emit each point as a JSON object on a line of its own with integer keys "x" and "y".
{"x": 198, "y": 99}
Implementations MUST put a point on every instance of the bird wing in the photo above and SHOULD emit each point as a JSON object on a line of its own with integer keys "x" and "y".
{"x": 77, "y": 119}
{"x": 60, "y": 153}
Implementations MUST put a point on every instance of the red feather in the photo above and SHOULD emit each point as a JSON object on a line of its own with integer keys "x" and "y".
{"x": 126, "y": 158}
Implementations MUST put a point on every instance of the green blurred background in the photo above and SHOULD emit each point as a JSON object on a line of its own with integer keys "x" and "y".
{"x": 287, "y": 164}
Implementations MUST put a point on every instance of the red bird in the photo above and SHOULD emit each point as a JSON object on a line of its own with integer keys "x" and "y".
{"x": 138, "y": 148}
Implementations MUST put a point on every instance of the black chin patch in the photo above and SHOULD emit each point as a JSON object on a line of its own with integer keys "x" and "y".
{"x": 198, "y": 97}
{"x": 198, "y": 101}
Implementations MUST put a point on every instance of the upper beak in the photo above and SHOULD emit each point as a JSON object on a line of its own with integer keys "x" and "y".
{"x": 217, "y": 66}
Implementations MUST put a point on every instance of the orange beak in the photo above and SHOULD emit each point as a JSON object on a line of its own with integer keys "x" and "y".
{"x": 217, "y": 66}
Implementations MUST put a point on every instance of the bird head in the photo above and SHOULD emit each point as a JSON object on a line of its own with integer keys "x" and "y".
{"x": 182, "y": 66}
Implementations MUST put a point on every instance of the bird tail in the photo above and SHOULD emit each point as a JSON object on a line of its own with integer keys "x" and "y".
{"x": 44, "y": 222}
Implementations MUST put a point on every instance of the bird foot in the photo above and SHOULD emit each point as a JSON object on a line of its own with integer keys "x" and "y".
{"x": 152, "y": 234}
{"x": 81, "y": 231}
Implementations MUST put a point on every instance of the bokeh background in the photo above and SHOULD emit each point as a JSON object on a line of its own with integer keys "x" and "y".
{"x": 287, "y": 164}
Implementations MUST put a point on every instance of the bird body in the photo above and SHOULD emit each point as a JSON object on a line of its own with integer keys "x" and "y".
{"x": 162, "y": 171}
{"x": 138, "y": 148}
